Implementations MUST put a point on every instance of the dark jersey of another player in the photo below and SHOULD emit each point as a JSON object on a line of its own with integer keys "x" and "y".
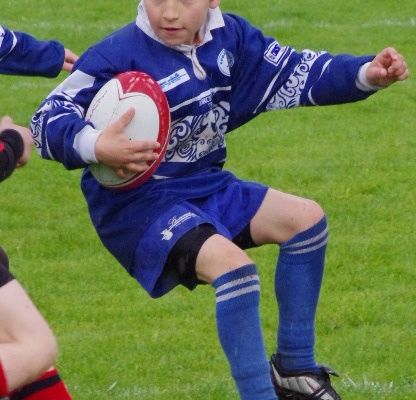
{"x": 11, "y": 149}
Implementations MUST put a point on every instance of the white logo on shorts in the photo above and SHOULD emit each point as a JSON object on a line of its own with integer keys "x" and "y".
{"x": 174, "y": 222}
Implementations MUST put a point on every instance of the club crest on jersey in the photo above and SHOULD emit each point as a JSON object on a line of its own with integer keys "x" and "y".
{"x": 225, "y": 62}
{"x": 174, "y": 80}
{"x": 274, "y": 53}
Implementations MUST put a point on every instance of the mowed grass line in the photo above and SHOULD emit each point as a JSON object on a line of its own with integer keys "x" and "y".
{"x": 356, "y": 160}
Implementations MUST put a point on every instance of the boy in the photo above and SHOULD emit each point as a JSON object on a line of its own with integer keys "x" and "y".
{"x": 27, "y": 345}
{"x": 225, "y": 73}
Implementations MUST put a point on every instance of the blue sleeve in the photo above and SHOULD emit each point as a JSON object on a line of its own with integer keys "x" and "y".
{"x": 269, "y": 76}
{"x": 60, "y": 118}
{"x": 22, "y": 54}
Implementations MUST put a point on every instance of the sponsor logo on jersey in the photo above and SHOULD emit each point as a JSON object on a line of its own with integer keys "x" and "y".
{"x": 174, "y": 222}
{"x": 205, "y": 100}
{"x": 274, "y": 53}
{"x": 174, "y": 80}
{"x": 225, "y": 62}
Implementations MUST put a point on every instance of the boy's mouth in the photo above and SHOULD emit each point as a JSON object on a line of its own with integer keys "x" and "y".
{"x": 169, "y": 29}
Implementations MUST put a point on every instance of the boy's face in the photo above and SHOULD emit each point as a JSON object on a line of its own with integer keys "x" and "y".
{"x": 177, "y": 22}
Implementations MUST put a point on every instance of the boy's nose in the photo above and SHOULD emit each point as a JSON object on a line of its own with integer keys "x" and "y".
{"x": 170, "y": 11}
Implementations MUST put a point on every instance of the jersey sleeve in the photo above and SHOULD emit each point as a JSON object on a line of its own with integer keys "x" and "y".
{"x": 59, "y": 121}
{"x": 11, "y": 149}
{"x": 22, "y": 54}
{"x": 269, "y": 76}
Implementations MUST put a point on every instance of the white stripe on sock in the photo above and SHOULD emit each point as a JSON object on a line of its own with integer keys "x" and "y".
{"x": 238, "y": 292}
{"x": 237, "y": 282}
{"x": 309, "y": 241}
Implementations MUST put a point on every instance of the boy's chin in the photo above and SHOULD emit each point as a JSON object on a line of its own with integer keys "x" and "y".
{"x": 175, "y": 41}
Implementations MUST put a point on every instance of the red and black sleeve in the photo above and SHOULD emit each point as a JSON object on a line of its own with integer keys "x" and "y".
{"x": 11, "y": 149}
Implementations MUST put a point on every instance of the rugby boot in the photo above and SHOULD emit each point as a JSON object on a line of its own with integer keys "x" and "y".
{"x": 303, "y": 385}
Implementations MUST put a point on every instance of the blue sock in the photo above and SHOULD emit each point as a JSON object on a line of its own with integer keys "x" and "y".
{"x": 240, "y": 334}
{"x": 297, "y": 284}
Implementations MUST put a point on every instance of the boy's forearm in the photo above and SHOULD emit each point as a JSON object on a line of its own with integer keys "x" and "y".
{"x": 340, "y": 82}
{"x": 55, "y": 133}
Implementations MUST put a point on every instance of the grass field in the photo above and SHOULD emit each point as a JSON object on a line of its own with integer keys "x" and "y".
{"x": 357, "y": 161}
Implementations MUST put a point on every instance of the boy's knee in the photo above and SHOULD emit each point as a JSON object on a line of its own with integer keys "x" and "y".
{"x": 311, "y": 213}
{"x": 219, "y": 256}
{"x": 314, "y": 213}
{"x": 47, "y": 349}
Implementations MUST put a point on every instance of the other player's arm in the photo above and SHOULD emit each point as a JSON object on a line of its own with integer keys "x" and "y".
{"x": 70, "y": 58}
{"x": 15, "y": 146}
{"x": 22, "y": 54}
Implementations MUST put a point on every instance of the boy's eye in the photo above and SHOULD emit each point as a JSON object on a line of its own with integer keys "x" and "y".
{"x": 159, "y": 2}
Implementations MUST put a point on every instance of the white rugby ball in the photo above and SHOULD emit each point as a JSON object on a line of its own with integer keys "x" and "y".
{"x": 151, "y": 121}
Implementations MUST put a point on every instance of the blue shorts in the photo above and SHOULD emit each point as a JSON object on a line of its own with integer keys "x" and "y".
{"x": 229, "y": 211}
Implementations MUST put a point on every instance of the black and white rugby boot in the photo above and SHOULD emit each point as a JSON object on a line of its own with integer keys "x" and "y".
{"x": 303, "y": 385}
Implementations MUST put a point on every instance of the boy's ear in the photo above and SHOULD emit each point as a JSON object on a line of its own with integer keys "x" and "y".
{"x": 214, "y": 3}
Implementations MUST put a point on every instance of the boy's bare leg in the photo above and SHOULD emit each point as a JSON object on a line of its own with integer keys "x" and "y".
{"x": 281, "y": 216}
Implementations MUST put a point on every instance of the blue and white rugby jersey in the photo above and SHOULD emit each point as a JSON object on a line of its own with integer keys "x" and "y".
{"x": 22, "y": 54}
{"x": 231, "y": 75}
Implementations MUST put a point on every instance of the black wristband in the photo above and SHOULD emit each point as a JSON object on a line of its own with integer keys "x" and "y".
{"x": 15, "y": 141}
{"x": 11, "y": 149}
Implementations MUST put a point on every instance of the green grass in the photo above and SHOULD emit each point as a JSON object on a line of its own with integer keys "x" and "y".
{"x": 357, "y": 161}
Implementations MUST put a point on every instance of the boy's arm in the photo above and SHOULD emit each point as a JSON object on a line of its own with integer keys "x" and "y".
{"x": 59, "y": 121}
{"x": 22, "y": 54}
{"x": 286, "y": 78}
{"x": 381, "y": 71}
{"x": 61, "y": 133}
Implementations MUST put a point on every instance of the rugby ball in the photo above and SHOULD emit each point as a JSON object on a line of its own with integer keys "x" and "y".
{"x": 151, "y": 121}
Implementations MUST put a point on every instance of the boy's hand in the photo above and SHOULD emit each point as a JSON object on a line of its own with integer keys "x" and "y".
{"x": 123, "y": 155}
{"x": 7, "y": 123}
{"x": 386, "y": 68}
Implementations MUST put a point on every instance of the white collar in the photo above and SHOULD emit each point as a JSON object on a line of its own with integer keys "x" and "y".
{"x": 214, "y": 20}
